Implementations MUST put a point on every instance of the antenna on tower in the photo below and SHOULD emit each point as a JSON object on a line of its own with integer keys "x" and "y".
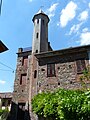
{"x": 0, "y": 6}
{"x": 41, "y": 6}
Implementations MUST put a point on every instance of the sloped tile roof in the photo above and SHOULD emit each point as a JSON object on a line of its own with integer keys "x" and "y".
{"x": 6, "y": 95}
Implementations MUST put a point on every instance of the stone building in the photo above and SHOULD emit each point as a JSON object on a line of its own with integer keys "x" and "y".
{"x": 5, "y": 100}
{"x": 40, "y": 68}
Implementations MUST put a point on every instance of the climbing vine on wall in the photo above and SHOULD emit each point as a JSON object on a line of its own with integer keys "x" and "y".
{"x": 85, "y": 77}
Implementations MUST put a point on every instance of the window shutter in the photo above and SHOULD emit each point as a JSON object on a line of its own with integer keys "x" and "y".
{"x": 80, "y": 65}
{"x": 83, "y": 64}
{"x": 50, "y": 70}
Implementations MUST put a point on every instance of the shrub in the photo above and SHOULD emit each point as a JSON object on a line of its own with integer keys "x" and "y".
{"x": 63, "y": 105}
{"x": 4, "y": 114}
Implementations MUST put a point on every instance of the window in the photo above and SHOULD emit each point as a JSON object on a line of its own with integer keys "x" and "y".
{"x": 23, "y": 79}
{"x": 80, "y": 65}
{"x": 50, "y": 70}
{"x": 35, "y": 73}
{"x": 37, "y": 35}
{"x": 36, "y": 51}
{"x": 43, "y": 22}
{"x": 37, "y": 21}
{"x": 25, "y": 61}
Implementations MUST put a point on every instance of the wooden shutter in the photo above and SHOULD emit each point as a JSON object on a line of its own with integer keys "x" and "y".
{"x": 50, "y": 70}
{"x": 80, "y": 65}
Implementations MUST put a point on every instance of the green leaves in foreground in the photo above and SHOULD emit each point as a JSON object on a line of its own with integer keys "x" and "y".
{"x": 63, "y": 105}
{"x": 4, "y": 114}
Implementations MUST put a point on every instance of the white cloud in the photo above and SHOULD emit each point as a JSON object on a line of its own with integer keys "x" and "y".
{"x": 51, "y": 10}
{"x": 68, "y": 13}
{"x": 75, "y": 28}
{"x": 85, "y": 38}
{"x": 2, "y": 82}
{"x": 58, "y": 23}
{"x": 89, "y": 4}
{"x": 83, "y": 16}
{"x": 30, "y": 0}
{"x": 85, "y": 30}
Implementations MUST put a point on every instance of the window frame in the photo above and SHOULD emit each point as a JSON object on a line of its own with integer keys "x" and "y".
{"x": 51, "y": 70}
{"x": 23, "y": 62}
{"x": 80, "y": 65}
{"x": 21, "y": 80}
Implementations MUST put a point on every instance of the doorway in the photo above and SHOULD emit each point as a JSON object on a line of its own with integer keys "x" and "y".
{"x": 21, "y": 111}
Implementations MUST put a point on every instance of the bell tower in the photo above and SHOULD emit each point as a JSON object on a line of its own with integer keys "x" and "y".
{"x": 40, "y": 33}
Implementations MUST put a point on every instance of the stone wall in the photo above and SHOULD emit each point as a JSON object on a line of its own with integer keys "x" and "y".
{"x": 21, "y": 91}
{"x": 37, "y": 80}
{"x": 66, "y": 72}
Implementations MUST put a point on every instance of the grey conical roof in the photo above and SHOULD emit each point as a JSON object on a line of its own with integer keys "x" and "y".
{"x": 40, "y": 12}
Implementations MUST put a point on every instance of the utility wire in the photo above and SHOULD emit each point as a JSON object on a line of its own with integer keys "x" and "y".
{"x": 7, "y": 70}
{"x": 7, "y": 66}
{"x": 0, "y": 6}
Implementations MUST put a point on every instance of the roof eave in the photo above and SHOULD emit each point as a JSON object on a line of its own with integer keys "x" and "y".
{"x": 2, "y": 47}
{"x": 63, "y": 51}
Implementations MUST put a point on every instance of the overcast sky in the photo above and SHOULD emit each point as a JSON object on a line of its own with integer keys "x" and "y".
{"x": 69, "y": 26}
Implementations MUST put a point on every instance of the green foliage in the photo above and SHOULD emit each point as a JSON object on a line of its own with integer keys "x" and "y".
{"x": 4, "y": 113}
{"x": 1, "y": 111}
{"x": 63, "y": 105}
{"x": 85, "y": 77}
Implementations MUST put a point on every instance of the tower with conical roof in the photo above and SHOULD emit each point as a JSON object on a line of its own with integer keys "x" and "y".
{"x": 40, "y": 33}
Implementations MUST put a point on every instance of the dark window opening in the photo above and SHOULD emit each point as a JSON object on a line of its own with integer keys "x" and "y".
{"x": 21, "y": 111}
{"x": 42, "y": 69}
{"x": 58, "y": 68}
{"x": 37, "y": 21}
{"x": 43, "y": 22}
{"x": 80, "y": 66}
{"x": 36, "y": 51}
{"x": 23, "y": 79}
{"x": 37, "y": 35}
{"x": 58, "y": 83}
{"x": 35, "y": 73}
{"x": 71, "y": 82}
{"x": 50, "y": 70}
